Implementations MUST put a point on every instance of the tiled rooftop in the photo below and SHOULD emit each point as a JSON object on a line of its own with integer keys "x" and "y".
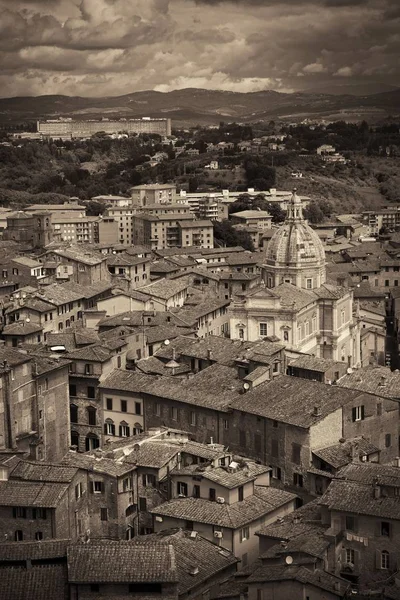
{"x": 317, "y": 578}
{"x": 380, "y": 381}
{"x": 222, "y": 476}
{"x": 32, "y": 550}
{"x": 165, "y": 288}
{"x": 28, "y": 493}
{"x": 314, "y": 363}
{"x": 292, "y": 400}
{"x": 44, "y": 582}
{"x": 29, "y": 471}
{"x": 232, "y": 516}
{"x": 121, "y": 562}
{"x": 193, "y": 552}
{"x": 340, "y": 454}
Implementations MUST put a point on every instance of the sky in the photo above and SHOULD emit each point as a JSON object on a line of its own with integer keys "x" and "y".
{"x": 113, "y": 47}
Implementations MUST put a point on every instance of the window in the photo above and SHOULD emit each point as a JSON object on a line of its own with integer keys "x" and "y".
{"x": 91, "y": 412}
{"x": 78, "y": 491}
{"x": 98, "y": 487}
{"x": 109, "y": 403}
{"x": 212, "y": 495}
{"x": 307, "y": 328}
{"x": 174, "y": 413}
{"x": 39, "y": 535}
{"x": 18, "y": 536}
{"x": 157, "y": 409}
{"x": 385, "y": 559}
{"x": 226, "y": 424}
{"x": 88, "y": 369}
{"x": 350, "y": 523}
{"x": 240, "y": 493}
{"x": 358, "y": 413}
{"x": 182, "y": 488}
{"x": 124, "y": 430}
{"x": 126, "y": 484}
{"x": 385, "y": 528}
{"x": 299, "y": 333}
{"x": 124, "y": 406}
{"x": 244, "y": 534}
{"x": 94, "y": 587}
{"x": 309, "y": 283}
{"x": 379, "y": 408}
{"x": 72, "y": 390}
{"x": 296, "y": 454}
{"x": 73, "y": 411}
{"x": 91, "y": 392}
{"x": 119, "y": 362}
{"x": 263, "y": 329}
{"x": 388, "y": 440}
{"x": 109, "y": 427}
{"x": 276, "y": 473}
{"x": 350, "y": 556}
{"x": 196, "y": 491}
{"x": 103, "y": 514}
{"x": 142, "y": 504}
{"x": 192, "y": 418}
{"x": 75, "y": 439}
{"x": 39, "y": 513}
{"x": 148, "y": 480}
{"x": 19, "y": 512}
{"x": 298, "y": 479}
{"x": 138, "y": 408}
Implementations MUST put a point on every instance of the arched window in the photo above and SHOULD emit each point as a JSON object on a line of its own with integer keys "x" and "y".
{"x": 109, "y": 427}
{"x": 91, "y": 414}
{"x": 73, "y": 411}
{"x": 75, "y": 439}
{"x": 124, "y": 429}
{"x": 137, "y": 429}
{"x": 91, "y": 442}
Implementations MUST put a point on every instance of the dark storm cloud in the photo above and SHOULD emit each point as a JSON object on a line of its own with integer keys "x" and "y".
{"x": 98, "y": 47}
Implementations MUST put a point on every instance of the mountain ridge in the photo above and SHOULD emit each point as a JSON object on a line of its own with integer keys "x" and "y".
{"x": 192, "y": 105}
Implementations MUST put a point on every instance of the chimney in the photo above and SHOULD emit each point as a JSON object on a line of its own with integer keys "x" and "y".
{"x": 336, "y": 586}
{"x": 317, "y": 410}
{"x": 383, "y": 381}
{"x": 377, "y": 489}
{"x": 354, "y": 452}
{"x": 397, "y": 461}
{"x": 209, "y": 354}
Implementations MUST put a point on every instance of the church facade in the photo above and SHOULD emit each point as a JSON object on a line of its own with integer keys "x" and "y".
{"x": 294, "y": 303}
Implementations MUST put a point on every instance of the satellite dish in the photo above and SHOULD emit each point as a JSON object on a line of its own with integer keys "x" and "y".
{"x": 246, "y": 386}
{"x": 288, "y": 560}
{"x": 167, "y": 343}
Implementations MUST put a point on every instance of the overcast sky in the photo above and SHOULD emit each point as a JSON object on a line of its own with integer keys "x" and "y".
{"x": 111, "y": 47}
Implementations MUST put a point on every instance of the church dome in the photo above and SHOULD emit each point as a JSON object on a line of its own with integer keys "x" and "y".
{"x": 295, "y": 251}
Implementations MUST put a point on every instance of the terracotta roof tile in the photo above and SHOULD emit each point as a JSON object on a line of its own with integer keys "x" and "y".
{"x": 121, "y": 562}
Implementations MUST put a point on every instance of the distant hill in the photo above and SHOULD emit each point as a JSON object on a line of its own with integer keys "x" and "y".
{"x": 191, "y": 106}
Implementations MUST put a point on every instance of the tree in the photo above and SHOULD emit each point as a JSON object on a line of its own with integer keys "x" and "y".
{"x": 225, "y": 233}
{"x": 193, "y": 184}
{"x": 313, "y": 213}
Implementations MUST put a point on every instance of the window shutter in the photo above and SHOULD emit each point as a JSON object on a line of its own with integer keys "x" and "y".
{"x": 354, "y": 413}
{"x": 105, "y": 428}
{"x": 362, "y": 412}
{"x": 343, "y": 556}
{"x": 102, "y": 487}
{"x": 14, "y": 512}
{"x": 120, "y": 431}
{"x": 377, "y": 559}
{"x": 356, "y": 559}
{"x": 91, "y": 487}
{"x": 113, "y": 429}
{"x": 128, "y": 431}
